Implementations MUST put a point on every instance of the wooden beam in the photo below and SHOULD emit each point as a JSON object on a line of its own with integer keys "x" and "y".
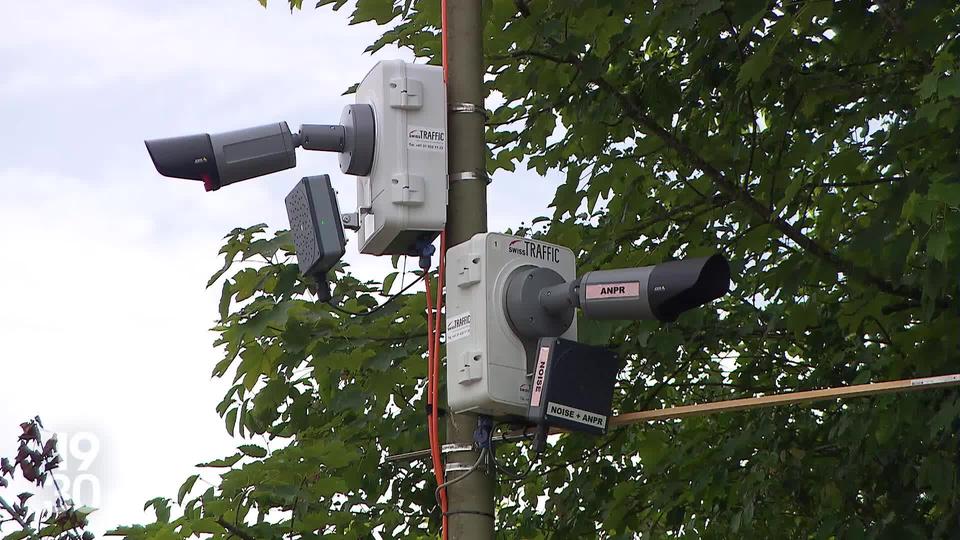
{"x": 789, "y": 398}
{"x": 731, "y": 405}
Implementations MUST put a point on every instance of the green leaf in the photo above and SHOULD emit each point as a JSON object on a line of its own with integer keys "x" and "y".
{"x": 388, "y": 282}
{"x": 161, "y": 508}
{"x": 372, "y": 10}
{"x": 949, "y": 87}
{"x": 229, "y": 461}
{"x": 653, "y": 448}
{"x": 948, "y": 193}
{"x": 754, "y": 67}
{"x": 186, "y": 487}
{"x": 226, "y": 295}
{"x": 231, "y": 420}
{"x": 253, "y": 450}
{"x": 938, "y": 245}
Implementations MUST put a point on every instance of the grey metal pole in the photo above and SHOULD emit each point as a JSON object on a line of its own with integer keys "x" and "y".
{"x": 470, "y": 502}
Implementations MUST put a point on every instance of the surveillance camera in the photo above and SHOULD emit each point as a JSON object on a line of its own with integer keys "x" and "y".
{"x": 221, "y": 159}
{"x": 541, "y": 304}
{"x": 659, "y": 292}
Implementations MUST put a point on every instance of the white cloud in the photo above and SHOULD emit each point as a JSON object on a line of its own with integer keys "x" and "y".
{"x": 105, "y": 331}
{"x": 88, "y": 44}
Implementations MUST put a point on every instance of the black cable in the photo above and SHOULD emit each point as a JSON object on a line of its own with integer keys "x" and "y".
{"x": 484, "y": 452}
{"x": 513, "y": 475}
{"x": 507, "y": 473}
{"x": 371, "y": 311}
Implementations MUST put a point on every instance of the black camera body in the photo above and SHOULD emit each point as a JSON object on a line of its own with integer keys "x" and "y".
{"x": 221, "y": 159}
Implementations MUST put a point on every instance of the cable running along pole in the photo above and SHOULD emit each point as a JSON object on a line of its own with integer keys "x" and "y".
{"x": 470, "y": 512}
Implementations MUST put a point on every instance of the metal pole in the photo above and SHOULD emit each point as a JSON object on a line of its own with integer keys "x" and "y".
{"x": 470, "y": 502}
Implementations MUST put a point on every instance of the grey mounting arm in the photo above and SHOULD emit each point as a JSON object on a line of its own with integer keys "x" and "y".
{"x": 354, "y": 139}
{"x": 221, "y": 159}
{"x": 321, "y": 137}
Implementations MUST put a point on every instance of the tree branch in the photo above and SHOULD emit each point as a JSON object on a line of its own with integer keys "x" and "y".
{"x": 741, "y": 195}
{"x": 730, "y": 187}
{"x": 234, "y": 530}
{"x": 13, "y": 514}
{"x": 868, "y": 182}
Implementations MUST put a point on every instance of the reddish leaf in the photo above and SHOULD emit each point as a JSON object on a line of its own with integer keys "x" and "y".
{"x": 29, "y": 472}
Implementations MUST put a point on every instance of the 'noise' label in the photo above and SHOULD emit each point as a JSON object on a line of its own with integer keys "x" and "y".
{"x": 539, "y": 376}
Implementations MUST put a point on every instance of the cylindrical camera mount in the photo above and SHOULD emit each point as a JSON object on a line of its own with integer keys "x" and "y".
{"x": 527, "y": 315}
{"x": 322, "y": 137}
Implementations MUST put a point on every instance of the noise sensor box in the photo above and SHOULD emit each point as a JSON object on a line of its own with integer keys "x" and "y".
{"x": 572, "y": 387}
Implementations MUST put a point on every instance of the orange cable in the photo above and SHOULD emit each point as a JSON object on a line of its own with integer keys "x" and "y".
{"x": 431, "y": 393}
{"x": 436, "y": 365}
{"x": 443, "y": 37}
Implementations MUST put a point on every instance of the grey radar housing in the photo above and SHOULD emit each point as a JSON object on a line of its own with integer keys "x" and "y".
{"x": 316, "y": 228}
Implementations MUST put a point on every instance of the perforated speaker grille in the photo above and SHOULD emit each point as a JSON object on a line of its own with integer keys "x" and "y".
{"x": 300, "y": 215}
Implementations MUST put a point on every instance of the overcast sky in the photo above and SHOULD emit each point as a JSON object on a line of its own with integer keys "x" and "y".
{"x": 104, "y": 320}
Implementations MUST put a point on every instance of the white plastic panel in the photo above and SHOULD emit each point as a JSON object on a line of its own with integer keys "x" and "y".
{"x": 486, "y": 362}
{"x": 406, "y": 192}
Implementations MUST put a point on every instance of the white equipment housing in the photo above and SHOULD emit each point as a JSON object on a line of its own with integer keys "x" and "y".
{"x": 404, "y": 199}
{"x": 486, "y": 362}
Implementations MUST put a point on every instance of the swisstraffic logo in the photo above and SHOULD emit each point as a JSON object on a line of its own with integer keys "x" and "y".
{"x": 536, "y": 250}
{"x": 426, "y": 139}
{"x": 428, "y": 135}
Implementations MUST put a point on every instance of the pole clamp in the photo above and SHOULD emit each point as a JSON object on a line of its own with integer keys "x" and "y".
{"x": 457, "y": 467}
{"x": 454, "y": 448}
{"x": 468, "y": 108}
{"x": 469, "y": 175}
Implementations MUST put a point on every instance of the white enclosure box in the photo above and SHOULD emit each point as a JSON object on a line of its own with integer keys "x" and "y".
{"x": 486, "y": 362}
{"x": 405, "y": 197}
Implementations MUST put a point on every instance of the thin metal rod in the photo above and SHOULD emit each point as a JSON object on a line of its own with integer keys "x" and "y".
{"x": 789, "y": 398}
{"x": 732, "y": 405}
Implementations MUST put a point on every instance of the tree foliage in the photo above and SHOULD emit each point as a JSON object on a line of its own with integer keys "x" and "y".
{"x": 814, "y": 143}
{"x": 37, "y": 461}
